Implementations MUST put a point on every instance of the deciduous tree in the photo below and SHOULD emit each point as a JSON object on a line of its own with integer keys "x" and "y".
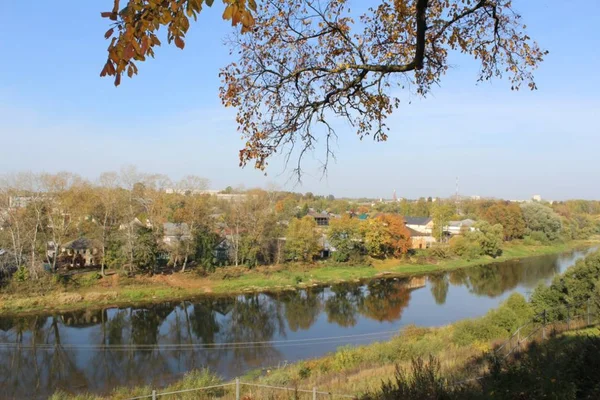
{"x": 510, "y": 217}
{"x": 302, "y": 239}
{"x": 344, "y": 236}
{"x": 306, "y": 62}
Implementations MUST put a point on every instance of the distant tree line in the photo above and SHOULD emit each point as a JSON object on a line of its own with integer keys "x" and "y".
{"x": 141, "y": 222}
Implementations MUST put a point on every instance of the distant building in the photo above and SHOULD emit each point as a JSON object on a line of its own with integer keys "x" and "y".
{"x": 322, "y": 218}
{"x": 536, "y": 197}
{"x": 174, "y": 233}
{"x": 420, "y": 240}
{"x": 19, "y": 201}
{"x": 420, "y": 224}
{"x": 82, "y": 252}
{"x": 457, "y": 227}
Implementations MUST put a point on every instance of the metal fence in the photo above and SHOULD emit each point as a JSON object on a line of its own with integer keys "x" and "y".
{"x": 240, "y": 390}
{"x": 549, "y": 323}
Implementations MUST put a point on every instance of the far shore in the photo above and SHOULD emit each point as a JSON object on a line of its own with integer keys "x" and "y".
{"x": 117, "y": 291}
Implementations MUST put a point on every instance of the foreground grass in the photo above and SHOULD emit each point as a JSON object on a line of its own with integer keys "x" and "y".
{"x": 86, "y": 292}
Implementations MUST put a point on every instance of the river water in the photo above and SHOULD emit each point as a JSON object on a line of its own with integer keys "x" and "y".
{"x": 156, "y": 344}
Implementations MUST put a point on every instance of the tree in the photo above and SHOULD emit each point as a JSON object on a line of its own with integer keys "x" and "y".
{"x": 302, "y": 239}
{"x": 133, "y": 28}
{"x": 540, "y": 218}
{"x": 464, "y": 247}
{"x": 193, "y": 211}
{"x": 489, "y": 238}
{"x": 442, "y": 212}
{"x": 510, "y": 217}
{"x": 145, "y": 250}
{"x": 344, "y": 236}
{"x": 486, "y": 239}
{"x": 306, "y": 62}
{"x": 387, "y": 235}
{"x": 107, "y": 213}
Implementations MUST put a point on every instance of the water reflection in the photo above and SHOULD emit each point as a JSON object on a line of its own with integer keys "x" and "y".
{"x": 97, "y": 350}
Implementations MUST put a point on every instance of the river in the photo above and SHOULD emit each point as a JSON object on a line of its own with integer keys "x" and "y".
{"x": 156, "y": 344}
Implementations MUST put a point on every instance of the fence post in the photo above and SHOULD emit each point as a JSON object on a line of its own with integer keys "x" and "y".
{"x": 314, "y": 393}
{"x": 544, "y": 326}
{"x": 154, "y": 395}
{"x": 237, "y": 388}
{"x": 568, "y": 318}
{"x": 588, "y": 312}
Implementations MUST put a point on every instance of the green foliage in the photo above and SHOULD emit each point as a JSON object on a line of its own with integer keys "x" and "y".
{"x": 204, "y": 244}
{"x": 574, "y": 287}
{"x": 497, "y": 323}
{"x": 486, "y": 239}
{"x": 442, "y": 212}
{"x": 21, "y": 274}
{"x": 464, "y": 247}
{"x": 540, "y": 218}
{"x": 145, "y": 250}
{"x": 489, "y": 238}
{"x": 344, "y": 235}
{"x": 114, "y": 256}
{"x": 302, "y": 239}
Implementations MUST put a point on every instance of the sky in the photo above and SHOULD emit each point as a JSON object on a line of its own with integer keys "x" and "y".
{"x": 57, "y": 114}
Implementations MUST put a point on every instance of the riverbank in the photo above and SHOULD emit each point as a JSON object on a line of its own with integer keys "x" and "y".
{"x": 86, "y": 291}
{"x": 559, "y": 360}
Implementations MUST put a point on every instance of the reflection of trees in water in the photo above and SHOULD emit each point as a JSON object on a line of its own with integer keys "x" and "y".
{"x": 254, "y": 318}
{"x": 385, "y": 300}
{"x": 302, "y": 308}
{"x": 25, "y": 367}
{"x": 342, "y": 306}
{"x": 439, "y": 287}
{"x": 495, "y": 279}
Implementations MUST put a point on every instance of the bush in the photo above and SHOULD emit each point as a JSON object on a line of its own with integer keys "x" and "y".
{"x": 465, "y": 248}
{"x": 539, "y": 237}
{"x": 340, "y": 256}
{"x": 440, "y": 252}
{"x": 21, "y": 274}
{"x": 470, "y": 331}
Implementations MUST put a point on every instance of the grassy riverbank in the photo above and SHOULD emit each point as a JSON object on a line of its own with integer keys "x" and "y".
{"x": 87, "y": 291}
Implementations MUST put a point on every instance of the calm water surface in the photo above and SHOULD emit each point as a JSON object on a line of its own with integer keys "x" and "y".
{"x": 98, "y": 350}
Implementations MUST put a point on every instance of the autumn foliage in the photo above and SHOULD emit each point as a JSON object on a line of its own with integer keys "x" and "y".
{"x": 308, "y": 62}
{"x": 386, "y": 235}
{"x": 133, "y": 32}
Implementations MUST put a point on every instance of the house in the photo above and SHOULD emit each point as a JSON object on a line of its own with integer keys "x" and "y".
{"x": 322, "y": 218}
{"x": 457, "y": 227}
{"x": 420, "y": 240}
{"x": 326, "y": 247}
{"x": 174, "y": 233}
{"x": 82, "y": 252}
{"x": 420, "y": 224}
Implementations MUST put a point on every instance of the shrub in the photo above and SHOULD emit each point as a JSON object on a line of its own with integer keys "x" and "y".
{"x": 21, "y": 274}
{"x": 539, "y": 237}
{"x": 465, "y": 248}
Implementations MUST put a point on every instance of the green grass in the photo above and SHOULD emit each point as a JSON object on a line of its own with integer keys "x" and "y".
{"x": 31, "y": 297}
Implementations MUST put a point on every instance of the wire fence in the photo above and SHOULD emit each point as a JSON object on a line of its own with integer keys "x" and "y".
{"x": 548, "y": 323}
{"x": 245, "y": 391}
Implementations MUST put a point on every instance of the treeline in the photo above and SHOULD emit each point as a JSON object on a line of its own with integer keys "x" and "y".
{"x": 133, "y": 221}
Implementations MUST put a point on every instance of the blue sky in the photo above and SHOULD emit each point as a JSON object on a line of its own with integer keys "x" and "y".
{"x": 57, "y": 114}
